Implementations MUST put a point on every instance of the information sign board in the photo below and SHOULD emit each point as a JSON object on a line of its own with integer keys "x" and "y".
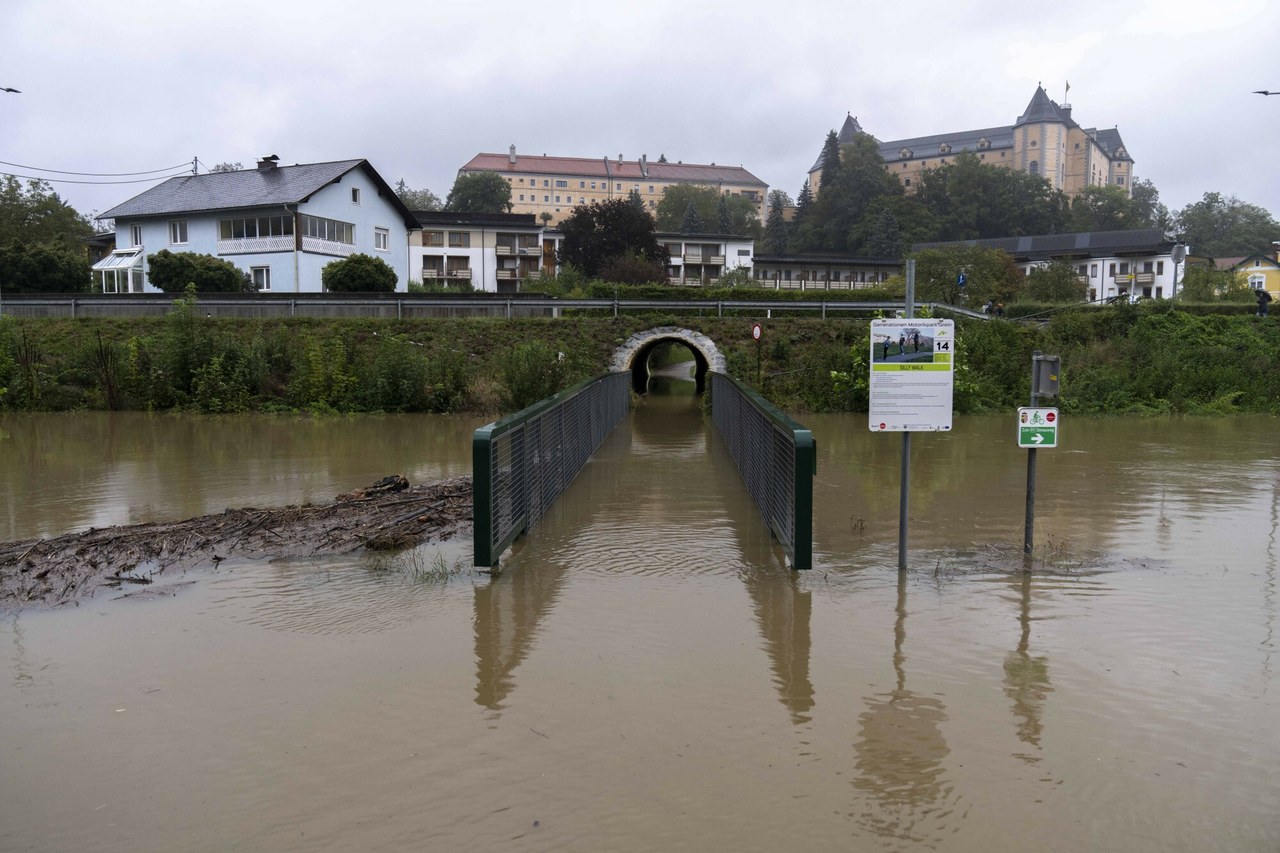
{"x": 912, "y": 375}
{"x": 1038, "y": 427}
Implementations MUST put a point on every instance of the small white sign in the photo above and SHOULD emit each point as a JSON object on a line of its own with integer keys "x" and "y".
{"x": 755, "y": 331}
{"x": 912, "y": 375}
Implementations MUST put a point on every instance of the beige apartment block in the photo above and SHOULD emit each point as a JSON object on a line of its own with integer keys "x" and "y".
{"x": 1045, "y": 140}
{"x": 556, "y": 185}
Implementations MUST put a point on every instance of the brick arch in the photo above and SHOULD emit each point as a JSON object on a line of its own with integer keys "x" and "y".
{"x": 632, "y": 356}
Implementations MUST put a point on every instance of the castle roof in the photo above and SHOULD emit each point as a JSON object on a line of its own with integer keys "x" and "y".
{"x": 603, "y": 167}
{"x": 1041, "y": 108}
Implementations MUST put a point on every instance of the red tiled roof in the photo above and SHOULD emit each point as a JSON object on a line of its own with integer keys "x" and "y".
{"x": 602, "y": 167}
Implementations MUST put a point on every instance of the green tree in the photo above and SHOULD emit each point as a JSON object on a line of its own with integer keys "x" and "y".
{"x": 226, "y": 167}
{"x": 1104, "y": 208}
{"x": 884, "y": 240}
{"x": 990, "y": 275}
{"x": 845, "y": 196}
{"x": 630, "y": 268}
{"x": 634, "y": 198}
{"x": 37, "y": 214}
{"x": 359, "y": 273}
{"x": 1147, "y": 208}
{"x": 423, "y": 199}
{"x": 43, "y": 268}
{"x": 974, "y": 201}
{"x": 1056, "y": 282}
{"x": 479, "y": 192}
{"x": 724, "y": 220}
{"x": 597, "y": 233}
{"x": 830, "y": 160}
{"x": 1219, "y": 227}
{"x": 779, "y": 198}
{"x": 776, "y": 232}
{"x": 891, "y": 225}
{"x": 173, "y": 271}
{"x": 692, "y": 222}
{"x": 675, "y": 201}
{"x": 804, "y": 203}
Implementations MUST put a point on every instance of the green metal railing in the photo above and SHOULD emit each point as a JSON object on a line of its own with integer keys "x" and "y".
{"x": 777, "y": 459}
{"x": 522, "y": 463}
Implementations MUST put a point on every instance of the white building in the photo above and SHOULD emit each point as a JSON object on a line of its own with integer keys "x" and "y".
{"x": 280, "y": 224}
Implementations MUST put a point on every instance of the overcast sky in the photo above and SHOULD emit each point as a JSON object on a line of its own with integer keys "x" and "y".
{"x": 418, "y": 88}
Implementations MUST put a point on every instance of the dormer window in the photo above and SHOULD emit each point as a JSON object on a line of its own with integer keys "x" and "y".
{"x": 944, "y": 148}
{"x": 1120, "y": 152}
{"x": 905, "y": 154}
{"x": 984, "y": 144}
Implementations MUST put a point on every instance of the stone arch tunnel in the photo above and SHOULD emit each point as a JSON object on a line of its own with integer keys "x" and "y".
{"x": 633, "y": 356}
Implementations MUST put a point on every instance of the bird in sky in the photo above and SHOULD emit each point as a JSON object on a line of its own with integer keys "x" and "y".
{"x": 1264, "y": 92}
{"x": 7, "y": 89}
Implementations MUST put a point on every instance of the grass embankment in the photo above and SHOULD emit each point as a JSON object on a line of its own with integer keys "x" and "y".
{"x": 1116, "y": 359}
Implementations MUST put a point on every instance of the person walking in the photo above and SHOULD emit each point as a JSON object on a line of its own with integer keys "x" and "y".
{"x": 1264, "y": 299}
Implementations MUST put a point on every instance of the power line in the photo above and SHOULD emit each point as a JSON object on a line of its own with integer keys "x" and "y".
{"x": 96, "y": 174}
{"x": 93, "y": 183}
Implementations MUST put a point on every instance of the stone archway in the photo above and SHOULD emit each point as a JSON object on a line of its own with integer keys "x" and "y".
{"x": 633, "y": 355}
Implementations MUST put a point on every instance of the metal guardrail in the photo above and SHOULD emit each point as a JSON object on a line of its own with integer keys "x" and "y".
{"x": 521, "y": 463}
{"x": 401, "y": 306}
{"x": 777, "y": 459}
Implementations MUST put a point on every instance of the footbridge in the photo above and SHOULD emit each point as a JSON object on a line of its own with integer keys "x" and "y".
{"x": 523, "y": 462}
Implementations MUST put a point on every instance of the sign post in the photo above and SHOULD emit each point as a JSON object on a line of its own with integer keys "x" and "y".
{"x": 1037, "y": 428}
{"x": 756, "y": 335}
{"x": 912, "y": 376}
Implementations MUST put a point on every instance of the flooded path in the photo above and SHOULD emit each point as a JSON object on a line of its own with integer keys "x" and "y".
{"x": 645, "y": 674}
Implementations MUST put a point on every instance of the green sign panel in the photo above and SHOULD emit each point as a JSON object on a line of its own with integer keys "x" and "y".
{"x": 1038, "y": 427}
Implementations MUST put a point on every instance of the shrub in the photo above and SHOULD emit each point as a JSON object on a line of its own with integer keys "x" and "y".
{"x": 359, "y": 274}
{"x": 530, "y": 372}
{"x": 173, "y": 271}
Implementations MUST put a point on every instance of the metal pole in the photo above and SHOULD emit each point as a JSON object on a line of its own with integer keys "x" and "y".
{"x": 1030, "y": 521}
{"x": 909, "y": 309}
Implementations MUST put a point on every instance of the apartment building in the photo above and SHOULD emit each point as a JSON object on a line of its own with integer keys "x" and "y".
{"x": 494, "y": 252}
{"x": 550, "y": 188}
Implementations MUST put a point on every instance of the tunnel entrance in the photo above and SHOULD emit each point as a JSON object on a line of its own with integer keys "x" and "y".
{"x": 633, "y": 356}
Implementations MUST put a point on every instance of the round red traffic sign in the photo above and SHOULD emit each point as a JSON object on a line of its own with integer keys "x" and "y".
{"x": 755, "y": 331}
{"x": 1050, "y": 417}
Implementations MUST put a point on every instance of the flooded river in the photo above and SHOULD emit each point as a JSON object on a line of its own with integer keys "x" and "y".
{"x": 645, "y": 673}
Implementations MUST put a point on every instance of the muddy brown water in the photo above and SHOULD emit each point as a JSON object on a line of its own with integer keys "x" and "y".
{"x": 645, "y": 674}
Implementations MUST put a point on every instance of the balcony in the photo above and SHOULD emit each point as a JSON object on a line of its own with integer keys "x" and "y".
{"x": 506, "y": 274}
{"x": 431, "y": 274}
{"x": 505, "y": 250}
{"x": 324, "y": 247}
{"x": 716, "y": 259}
{"x": 531, "y": 251}
{"x": 249, "y": 245}
{"x": 461, "y": 272}
{"x": 1144, "y": 278}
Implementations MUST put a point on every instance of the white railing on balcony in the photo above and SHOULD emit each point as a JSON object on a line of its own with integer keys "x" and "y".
{"x": 431, "y": 273}
{"x": 504, "y": 250}
{"x": 533, "y": 274}
{"x": 246, "y": 245}
{"x": 506, "y": 273}
{"x": 1145, "y": 278}
{"x": 531, "y": 250}
{"x": 460, "y": 273}
{"x": 327, "y": 247}
{"x": 716, "y": 259}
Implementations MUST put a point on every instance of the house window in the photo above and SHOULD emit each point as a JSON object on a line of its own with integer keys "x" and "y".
{"x": 1034, "y": 167}
{"x": 251, "y": 228}
{"x": 460, "y": 239}
{"x": 1113, "y": 270}
{"x": 355, "y": 195}
{"x": 135, "y": 235}
{"x": 261, "y": 277}
{"x": 1093, "y": 270}
{"x": 617, "y": 186}
{"x": 1159, "y": 267}
{"x": 545, "y": 182}
{"x": 1120, "y": 180}
{"x": 561, "y": 184}
{"x": 382, "y": 239}
{"x": 593, "y": 185}
{"x": 1257, "y": 282}
{"x": 433, "y": 238}
{"x": 582, "y": 185}
{"x": 650, "y": 187}
{"x": 546, "y": 198}
{"x": 557, "y": 199}
{"x": 328, "y": 229}
{"x": 1082, "y": 269}
{"x": 177, "y": 231}
{"x": 1146, "y": 266}
{"x": 522, "y": 196}
{"x": 906, "y": 182}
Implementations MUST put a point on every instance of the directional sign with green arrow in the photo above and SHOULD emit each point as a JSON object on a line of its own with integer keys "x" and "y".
{"x": 1037, "y": 427}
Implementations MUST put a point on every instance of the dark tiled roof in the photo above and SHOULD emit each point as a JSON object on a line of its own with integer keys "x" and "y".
{"x": 961, "y": 140}
{"x": 1111, "y": 142}
{"x": 1041, "y": 108}
{"x": 430, "y": 218}
{"x": 1082, "y": 244}
{"x": 247, "y": 188}
{"x": 827, "y": 259}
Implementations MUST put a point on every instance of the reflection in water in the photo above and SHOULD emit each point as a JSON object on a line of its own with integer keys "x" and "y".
{"x": 901, "y": 752}
{"x": 508, "y": 613}
{"x": 1026, "y": 678}
{"x": 629, "y": 510}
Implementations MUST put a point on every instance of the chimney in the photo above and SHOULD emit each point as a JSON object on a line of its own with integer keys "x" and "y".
{"x": 619, "y": 159}
{"x": 1276, "y": 244}
{"x": 511, "y": 157}
{"x": 644, "y": 165}
{"x": 267, "y": 163}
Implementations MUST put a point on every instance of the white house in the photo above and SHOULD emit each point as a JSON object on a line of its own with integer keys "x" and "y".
{"x": 1140, "y": 263}
{"x": 495, "y": 252}
{"x": 699, "y": 258}
{"x": 280, "y": 224}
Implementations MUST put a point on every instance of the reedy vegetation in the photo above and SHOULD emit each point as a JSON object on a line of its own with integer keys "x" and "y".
{"x": 1146, "y": 358}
